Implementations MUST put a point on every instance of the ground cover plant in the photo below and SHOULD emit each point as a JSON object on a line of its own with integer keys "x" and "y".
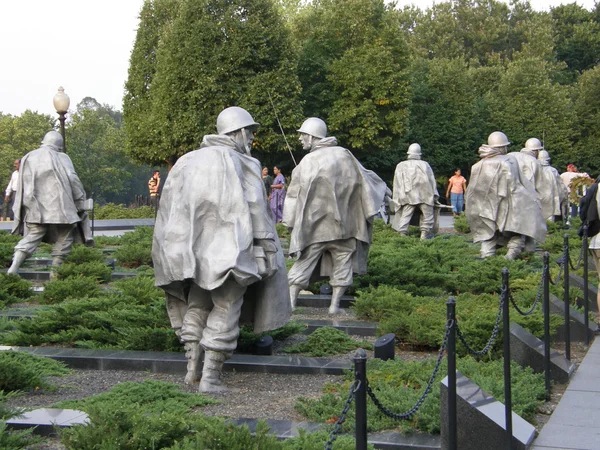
{"x": 327, "y": 341}
{"x": 136, "y": 248}
{"x": 21, "y": 371}
{"x": 110, "y": 211}
{"x": 13, "y": 440}
{"x": 158, "y": 415}
{"x": 398, "y": 385}
{"x": 13, "y": 289}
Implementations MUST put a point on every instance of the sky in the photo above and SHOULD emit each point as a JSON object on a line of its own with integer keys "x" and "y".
{"x": 84, "y": 46}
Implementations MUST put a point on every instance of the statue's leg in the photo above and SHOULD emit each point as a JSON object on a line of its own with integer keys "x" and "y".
{"x": 406, "y": 213}
{"x": 219, "y": 339}
{"x": 300, "y": 273}
{"x": 65, "y": 236}
{"x": 34, "y": 233}
{"x": 515, "y": 246}
{"x": 426, "y": 221}
{"x": 488, "y": 247}
{"x": 341, "y": 277}
{"x": 195, "y": 316}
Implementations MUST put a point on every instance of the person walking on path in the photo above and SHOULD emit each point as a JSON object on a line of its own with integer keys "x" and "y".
{"x": 154, "y": 188}
{"x": 457, "y": 185}
{"x": 11, "y": 189}
{"x": 277, "y": 195}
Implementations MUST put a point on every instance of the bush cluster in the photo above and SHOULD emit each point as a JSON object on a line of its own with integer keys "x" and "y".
{"x": 13, "y": 289}
{"x": 25, "y": 372}
{"x": 136, "y": 248}
{"x": 327, "y": 341}
{"x": 112, "y": 211}
{"x": 398, "y": 384}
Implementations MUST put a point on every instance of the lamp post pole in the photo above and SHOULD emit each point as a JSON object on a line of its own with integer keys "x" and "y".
{"x": 61, "y": 104}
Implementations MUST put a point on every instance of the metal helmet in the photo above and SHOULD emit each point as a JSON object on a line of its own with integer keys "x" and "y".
{"x": 235, "y": 118}
{"x": 314, "y": 127}
{"x": 498, "y": 139}
{"x": 534, "y": 144}
{"x": 544, "y": 156}
{"x": 53, "y": 138}
{"x": 414, "y": 150}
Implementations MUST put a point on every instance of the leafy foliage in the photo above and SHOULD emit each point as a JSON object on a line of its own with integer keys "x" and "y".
{"x": 327, "y": 341}
{"x": 21, "y": 371}
{"x": 95, "y": 270}
{"x": 112, "y": 211}
{"x": 69, "y": 288}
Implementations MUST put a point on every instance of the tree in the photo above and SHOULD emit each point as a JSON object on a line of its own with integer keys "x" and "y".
{"x": 529, "y": 104}
{"x": 18, "y": 136}
{"x": 353, "y": 70}
{"x": 197, "y": 57}
{"x": 96, "y": 147}
{"x": 587, "y": 109}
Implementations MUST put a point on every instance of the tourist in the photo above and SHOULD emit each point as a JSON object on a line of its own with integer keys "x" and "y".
{"x": 214, "y": 237}
{"x": 154, "y": 188}
{"x": 277, "y": 195}
{"x": 500, "y": 209}
{"x": 267, "y": 180}
{"x": 11, "y": 189}
{"x": 49, "y": 202}
{"x": 414, "y": 190}
{"x": 457, "y": 185}
{"x": 330, "y": 206}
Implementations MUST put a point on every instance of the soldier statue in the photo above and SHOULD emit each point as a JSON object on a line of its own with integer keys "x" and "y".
{"x": 50, "y": 203}
{"x": 502, "y": 206}
{"x": 215, "y": 250}
{"x": 555, "y": 196}
{"x": 330, "y": 206}
{"x": 414, "y": 189}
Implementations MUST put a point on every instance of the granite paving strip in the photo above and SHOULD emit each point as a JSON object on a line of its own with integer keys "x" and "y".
{"x": 574, "y": 424}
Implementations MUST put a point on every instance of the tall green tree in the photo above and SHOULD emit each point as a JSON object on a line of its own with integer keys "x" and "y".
{"x": 587, "y": 109}
{"x": 529, "y": 104}
{"x": 18, "y": 136}
{"x": 353, "y": 69}
{"x": 202, "y": 56}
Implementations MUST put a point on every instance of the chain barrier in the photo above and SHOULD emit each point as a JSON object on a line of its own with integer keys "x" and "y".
{"x": 412, "y": 411}
{"x": 560, "y": 271}
{"x": 494, "y": 335}
{"x": 338, "y": 425}
{"x": 538, "y": 297}
{"x": 579, "y": 260}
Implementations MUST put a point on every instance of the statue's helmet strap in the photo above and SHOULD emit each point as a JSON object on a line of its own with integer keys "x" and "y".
{"x": 235, "y": 118}
{"x": 314, "y": 127}
{"x": 498, "y": 139}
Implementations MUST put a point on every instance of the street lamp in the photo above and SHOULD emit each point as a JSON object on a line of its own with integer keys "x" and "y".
{"x": 61, "y": 104}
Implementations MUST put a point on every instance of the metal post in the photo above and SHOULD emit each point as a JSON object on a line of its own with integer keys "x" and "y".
{"x": 566, "y": 299}
{"x": 360, "y": 376}
{"x": 451, "y": 348}
{"x": 586, "y": 306}
{"x": 546, "y": 307}
{"x": 61, "y": 119}
{"x": 507, "y": 379}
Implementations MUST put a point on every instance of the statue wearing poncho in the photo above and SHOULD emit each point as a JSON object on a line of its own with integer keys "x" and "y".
{"x": 555, "y": 197}
{"x": 502, "y": 207}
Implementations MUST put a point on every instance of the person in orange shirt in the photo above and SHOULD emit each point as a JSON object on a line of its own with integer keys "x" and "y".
{"x": 457, "y": 185}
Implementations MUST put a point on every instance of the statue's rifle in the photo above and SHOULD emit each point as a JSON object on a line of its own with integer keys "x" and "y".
{"x": 281, "y": 128}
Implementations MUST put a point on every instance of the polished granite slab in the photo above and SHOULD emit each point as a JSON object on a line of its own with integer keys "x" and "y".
{"x": 285, "y": 429}
{"x": 576, "y": 323}
{"x": 528, "y": 351}
{"x": 104, "y": 225}
{"x": 45, "y": 420}
{"x": 175, "y": 363}
{"x": 44, "y": 275}
{"x": 353, "y": 327}
{"x": 576, "y": 281}
{"x": 322, "y": 301}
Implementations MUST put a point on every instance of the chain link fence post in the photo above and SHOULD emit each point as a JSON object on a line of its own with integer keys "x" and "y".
{"x": 546, "y": 307}
{"x": 360, "y": 396}
{"x": 566, "y": 298}
{"x": 586, "y": 306}
{"x": 451, "y": 349}
{"x": 506, "y": 336}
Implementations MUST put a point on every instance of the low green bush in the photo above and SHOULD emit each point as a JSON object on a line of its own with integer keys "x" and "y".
{"x": 16, "y": 440}
{"x": 103, "y": 241}
{"x": 461, "y": 224}
{"x": 327, "y": 341}
{"x": 399, "y": 384}
{"x": 134, "y": 255}
{"x": 24, "y": 372}
{"x": 248, "y": 339}
{"x": 112, "y": 211}
{"x": 82, "y": 254}
{"x": 15, "y": 286}
{"x": 142, "y": 235}
{"x": 6, "y": 254}
{"x": 8, "y": 238}
{"x": 96, "y": 270}
{"x": 70, "y": 288}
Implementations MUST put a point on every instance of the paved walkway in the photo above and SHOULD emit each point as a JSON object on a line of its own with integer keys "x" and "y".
{"x": 575, "y": 424}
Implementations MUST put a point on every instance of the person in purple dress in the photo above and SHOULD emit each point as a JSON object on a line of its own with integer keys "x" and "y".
{"x": 277, "y": 195}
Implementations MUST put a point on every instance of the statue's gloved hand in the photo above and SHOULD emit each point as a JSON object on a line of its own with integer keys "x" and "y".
{"x": 265, "y": 252}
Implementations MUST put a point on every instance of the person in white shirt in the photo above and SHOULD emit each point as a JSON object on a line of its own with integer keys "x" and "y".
{"x": 9, "y": 195}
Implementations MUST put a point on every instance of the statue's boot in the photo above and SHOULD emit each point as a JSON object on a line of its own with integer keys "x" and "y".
{"x": 56, "y": 262}
{"x": 294, "y": 292}
{"x": 336, "y": 296}
{"x": 512, "y": 254}
{"x": 425, "y": 235}
{"x": 18, "y": 259}
{"x": 211, "y": 372}
{"x": 193, "y": 353}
